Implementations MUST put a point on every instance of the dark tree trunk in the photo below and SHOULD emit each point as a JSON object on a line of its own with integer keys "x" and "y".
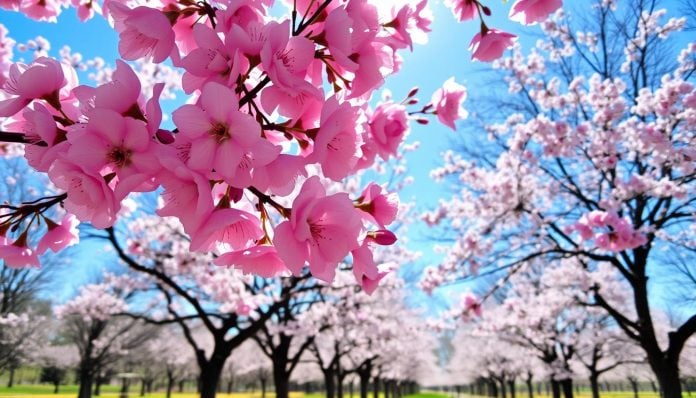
{"x": 55, "y": 387}
{"x": 364, "y": 384}
{"x": 385, "y": 383}
{"x": 181, "y": 386}
{"x": 170, "y": 384}
{"x": 230, "y": 384}
{"x": 668, "y": 379}
{"x": 98, "y": 380}
{"x": 594, "y": 384}
{"x": 555, "y": 389}
{"x": 329, "y": 383}
{"x": 530, "y": 387}
{"x": 511, "y": 387}
{"x": 10, "y": 381}
{"x": 142, "y": 387}
{"x": 210, "y": 377}
{"x": 263, "y": 387}
{"x": 567, "y": 386}
{"x": 86, "y": 381}
{"x": 634, "y": 387}
{"x": 339, "y": 385}
{"x": 281, "y": 377}
{"x": 375, "y": 387}
{"x": 503, "y": 388}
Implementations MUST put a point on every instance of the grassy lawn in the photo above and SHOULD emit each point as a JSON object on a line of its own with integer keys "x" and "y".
{"x": 46, "y": 391}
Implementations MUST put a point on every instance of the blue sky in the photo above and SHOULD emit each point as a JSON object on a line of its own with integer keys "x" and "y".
{"x": 427, "y": 67}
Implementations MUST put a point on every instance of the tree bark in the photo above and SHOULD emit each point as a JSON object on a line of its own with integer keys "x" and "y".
{"x": 86, "y": 381}
{"x": 55, "y": 387}
{"x": 170, "y": 384}
{"x": 594, "y": 384}
{"x": 210, "y": 377}
{"x": 10, "y": 381}
{"x": 634, "y": 387}
{"x": 555, "y": 389}
{"x": 511, "y": 387}
{"x": 375, "y": 387}
{"x": 530, "y": 387}
{"x": 329, "y": 383}
{"x": 567, "y": 386}
{"x": 668, "y": 379}
{"x": 263, "y": 387}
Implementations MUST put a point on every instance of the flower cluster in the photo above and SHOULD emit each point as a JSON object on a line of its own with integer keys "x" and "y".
{"x": 617, "y": 234}
{"x": 489, "y": 44}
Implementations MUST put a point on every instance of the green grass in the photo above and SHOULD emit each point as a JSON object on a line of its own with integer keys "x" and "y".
{"x": 108, "y": 391}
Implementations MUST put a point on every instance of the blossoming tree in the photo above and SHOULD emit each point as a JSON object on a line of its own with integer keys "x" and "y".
{"x": 597, "y": 165}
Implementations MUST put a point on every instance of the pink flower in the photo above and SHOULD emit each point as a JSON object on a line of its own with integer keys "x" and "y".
{"x": 380, "y": 206}
{"x": 388, "y": 128}
{"x": 212, "y": 60}
{"x": 43, "y": 10}
{"x": 42, "y": 79}
{"x": 529, "y": 12}
{"x": 448, "y": 103}
{"x": 89, "y": 196}
{"x": 234, "y": 227}
{"x": 121, "y": 143}
{"x": 490, "y": 44}
{"x": 286, "y": 59}
{"x": 464, "y": 10}
{"x": 261, "y": 260}
{"x": 60, "y": 236}
{"x": 222, "y": 138}
{"x": 321, "y": 229}
{"x": 143, "y": 32}
{"x": 336, "y": 144}
{"x": 186, "y": 195}
{"x": 471, "y": 304}
{"x": 17, "y": 254}
{"x": 364, "y": 268}
{"x": 39, "y": 127}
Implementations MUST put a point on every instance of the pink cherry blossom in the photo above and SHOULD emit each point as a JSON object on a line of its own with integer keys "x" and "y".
{"x": 89, "y": 196}
{"x": 337, "y": 142}
{"x": 60, "y": 236}
{"x": 223, "y": 139}
{"x": 381, "y": 207}
{"x": 490, "y": 44}
{"x": 233, "y": 227}
{"x": 529, "y": 12}
{"x": 143, "y": 32}
{"x": 262, "y": 260}
{"x": 388, "y": 128}
{"x": 448, "y": 103}
{"x": 364, "y": 268}
{"x": 109, "y": 139}
{"x": 464, "y": 10}
{"x": 17, "y": 254}
{"x": 286, "y": 59}
{"x": 311, "y": 234}
{"x": 43, "y": 10}
{"x": 39, "y": 126}
{"x": 42, "y": 79}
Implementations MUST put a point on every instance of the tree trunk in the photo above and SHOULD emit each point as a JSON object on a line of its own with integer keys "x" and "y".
{"x": 230, "y": 384}
{"x": 98, "y": 380}
{"x": 10, "y": 381}
{"x": 567, "y": 386}
{"x": 375, "y": 388}
{"x": 555, "y": 389}
{"x": 339, "y": 385}
{"x": 170, "y": 384}
{"x": 594, "y": 384}
{"x": 530, "y": 387}
{"x": 263, "y": 387}
{"x": 668, "y": 379}
{"x": 503, "y": 388}
{"x": 329, "y": 383}
{"x": 210, "y": 377}
{"x": 281, "y": 377}
{"x": 364, "y": 383}
{"x": 511, "y": 387}
{"x": 181, "y": 386}
{"x": 55, "y": 387}
{"x": 86, "y": 381}
{"x": 634, "y": 387}
{"x": 142, "y": 387}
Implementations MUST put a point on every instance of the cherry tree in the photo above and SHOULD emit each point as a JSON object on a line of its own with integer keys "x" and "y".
{"x": 101, "y": 338}
{"x": 595, "y": 164}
